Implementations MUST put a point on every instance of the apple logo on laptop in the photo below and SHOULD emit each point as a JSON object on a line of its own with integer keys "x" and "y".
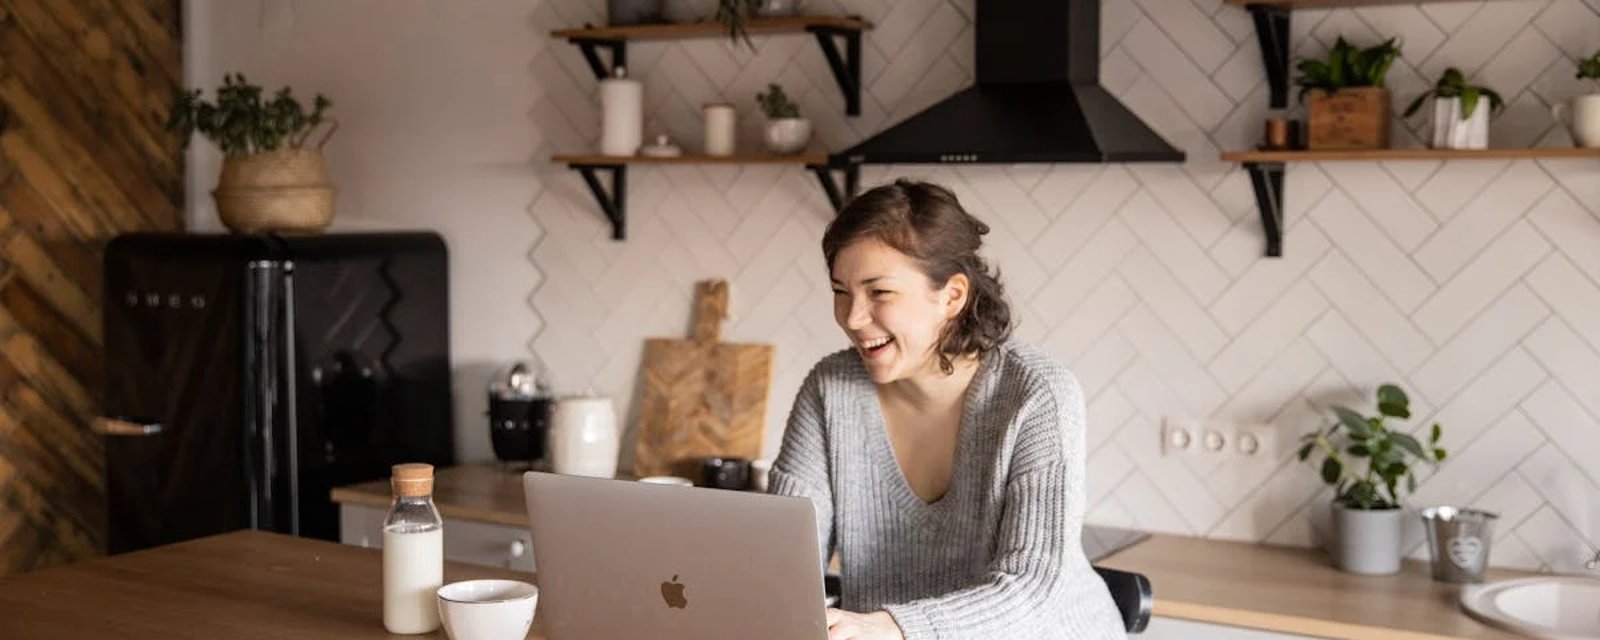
{"x": 672, "y": 592}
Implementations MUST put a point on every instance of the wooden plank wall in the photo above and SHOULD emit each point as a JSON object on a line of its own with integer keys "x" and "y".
{"x": 85, "y": 86}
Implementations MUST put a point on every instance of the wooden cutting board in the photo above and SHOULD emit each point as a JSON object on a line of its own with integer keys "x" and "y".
{"x": 701, "y": 397}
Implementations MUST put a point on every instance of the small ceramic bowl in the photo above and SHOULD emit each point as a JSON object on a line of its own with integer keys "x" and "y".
{"x": 668, "y": 480}
{"x": 487, "y": 609}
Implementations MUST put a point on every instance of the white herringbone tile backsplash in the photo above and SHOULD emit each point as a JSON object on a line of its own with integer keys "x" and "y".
{"x": 1475, "y": 285}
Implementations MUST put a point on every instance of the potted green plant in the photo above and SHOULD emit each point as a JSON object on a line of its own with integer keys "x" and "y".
{"x": 1582, "y": 115}
{"x": 1366, "y": 505}
{"x": 271, "y": 181}
{"x": 1458, "y": 120}
{"x": 1347, "y": 106}
{"x": 787, "y": 132}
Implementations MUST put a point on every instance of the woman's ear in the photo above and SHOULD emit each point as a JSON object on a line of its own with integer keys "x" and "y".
{"x": 957, "y": 293}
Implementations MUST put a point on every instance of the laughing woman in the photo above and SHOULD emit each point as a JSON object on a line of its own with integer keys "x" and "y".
{"x": 945, "y": 459}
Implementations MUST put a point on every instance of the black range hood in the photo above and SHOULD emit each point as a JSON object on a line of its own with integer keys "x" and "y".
{"x": 1037, "y": 99}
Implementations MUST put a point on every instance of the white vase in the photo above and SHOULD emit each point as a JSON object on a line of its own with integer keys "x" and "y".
{"x": 1451, "y": 131}
{"x": 1582, "y": 119}
{"x": 1366, "y": 541}
{"x": 788, "y": 135}
{"x": 583, "y": 437}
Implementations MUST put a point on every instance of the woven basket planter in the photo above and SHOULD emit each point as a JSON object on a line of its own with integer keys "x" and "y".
{"x": 284, "y": 191}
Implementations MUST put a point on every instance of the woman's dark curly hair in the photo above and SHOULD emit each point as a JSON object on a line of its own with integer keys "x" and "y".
{"x": 926, "y": 222}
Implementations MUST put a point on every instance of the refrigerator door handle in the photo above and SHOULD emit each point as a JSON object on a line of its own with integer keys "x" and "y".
{"x": 120, "y": 427}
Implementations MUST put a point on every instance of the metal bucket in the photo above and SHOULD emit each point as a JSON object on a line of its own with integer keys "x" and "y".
{"x": 1458, "y": 540}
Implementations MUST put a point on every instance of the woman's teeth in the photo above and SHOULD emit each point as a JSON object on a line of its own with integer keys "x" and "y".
{"x": 874, "y": 346}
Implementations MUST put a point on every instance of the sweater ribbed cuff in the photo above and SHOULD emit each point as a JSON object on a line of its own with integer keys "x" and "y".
{"x": 917, "y": 622}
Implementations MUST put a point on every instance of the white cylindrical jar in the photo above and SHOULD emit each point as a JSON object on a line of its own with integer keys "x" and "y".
{"x": 583, "y": 437}
{"x": 721, "y": 127}
{"x": 621, "y": 114}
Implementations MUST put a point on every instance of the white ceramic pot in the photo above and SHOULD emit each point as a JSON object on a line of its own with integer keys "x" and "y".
{"x": 583, "y": 437}
{"x": 788, "y": 135}
{"x": 1582, "y": 119}
{"x": 487, "y": 609}
{"x": 1451, "y": 131}
{"x": 1366, "y": 542}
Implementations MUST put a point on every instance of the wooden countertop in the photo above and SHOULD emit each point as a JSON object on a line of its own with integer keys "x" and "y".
{"x": 1281, "y": 589}
{"x": 1291, "y": 590}
{"x": 484, "y": 492}
{"x": 245, "y": 584}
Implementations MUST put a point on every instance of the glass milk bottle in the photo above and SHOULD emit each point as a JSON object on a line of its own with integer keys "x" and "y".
{"x": 413, "y": 553}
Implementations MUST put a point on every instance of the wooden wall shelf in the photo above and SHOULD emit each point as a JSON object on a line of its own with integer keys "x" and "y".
{"x": 758, "y": 26}
{"x": 799, "y": 159}
{"x": 1328, "y": 4}
{"x": 846, "y": 66}
{"x": 1408, "y": 154}
{"x": 1266, "y": 172}
{"x": 614, "y": 201}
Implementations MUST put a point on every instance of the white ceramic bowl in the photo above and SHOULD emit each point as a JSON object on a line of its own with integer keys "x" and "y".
{"x": 487, "y": 609}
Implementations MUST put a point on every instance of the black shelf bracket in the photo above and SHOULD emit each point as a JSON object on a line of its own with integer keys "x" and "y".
{"x": 1272, "y": 32}
{"x": 613, "y": 203}
{"x": 1266, "y": 178}
{"x": 846, "y": 68}
{"x": 836, "y": 195}
{"x": 590, "y": 48}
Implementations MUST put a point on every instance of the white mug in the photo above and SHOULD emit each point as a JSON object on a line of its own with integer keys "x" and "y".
{"x": 1582, "y": 119}
{"x": 583, "y": 437}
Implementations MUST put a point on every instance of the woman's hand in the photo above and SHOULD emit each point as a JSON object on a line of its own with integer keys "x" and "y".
{"x": 846, "y": 625}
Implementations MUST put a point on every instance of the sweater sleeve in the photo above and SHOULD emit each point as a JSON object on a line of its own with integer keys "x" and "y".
{"x": 801, "y": 469}
{"x": 1041, "y": 523}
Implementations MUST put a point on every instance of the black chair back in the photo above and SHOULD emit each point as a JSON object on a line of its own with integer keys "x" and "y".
{"x": 1131, "y": 592}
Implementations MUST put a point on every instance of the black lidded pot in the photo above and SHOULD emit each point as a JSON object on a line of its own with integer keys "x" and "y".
{"x": 519, "y": 415}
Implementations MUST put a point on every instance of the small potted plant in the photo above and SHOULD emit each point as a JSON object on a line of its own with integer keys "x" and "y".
{"x": 1583, "y": 121}
{"x": 1347, "y": 106}
{"x": 1366, "y": 505}
{"x": 1459, "y": 119}
{"x": 271, "y": 181}
{"x": 787, "y": 132}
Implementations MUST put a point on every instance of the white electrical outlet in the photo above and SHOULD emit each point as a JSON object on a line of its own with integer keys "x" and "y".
{"x": 1218, "y": 440}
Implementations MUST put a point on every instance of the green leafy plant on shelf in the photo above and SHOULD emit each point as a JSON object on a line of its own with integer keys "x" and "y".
{"x": 735, "y": 15}
{"x": 1347, "y": 67}
{"x": 1390, "y": 455}
{"x": 1589, "y": 68}
{"x": 1452, "y": 84}
{"x": 242, "y": 122}
{"x": 776, "y": 104}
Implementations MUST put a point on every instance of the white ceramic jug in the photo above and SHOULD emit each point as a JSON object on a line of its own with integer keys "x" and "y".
{"x": 583, "y": 437}
{"x": 1582, "y": 119}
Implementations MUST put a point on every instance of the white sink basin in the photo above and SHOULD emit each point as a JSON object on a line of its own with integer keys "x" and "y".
{"x": 1552, "y": 607}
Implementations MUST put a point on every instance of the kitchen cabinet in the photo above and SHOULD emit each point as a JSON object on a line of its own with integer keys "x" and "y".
{"x": 480, "y": 543}
{"x": 1175, "y": 629}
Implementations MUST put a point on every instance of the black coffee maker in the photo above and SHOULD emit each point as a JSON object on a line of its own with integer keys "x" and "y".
{"x": 519, "y": 416}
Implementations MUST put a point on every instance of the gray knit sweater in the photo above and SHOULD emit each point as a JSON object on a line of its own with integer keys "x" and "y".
{"x": 1000, "y": 554}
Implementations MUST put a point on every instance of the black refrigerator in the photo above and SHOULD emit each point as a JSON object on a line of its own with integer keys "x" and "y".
{"x": 247, "y": 375}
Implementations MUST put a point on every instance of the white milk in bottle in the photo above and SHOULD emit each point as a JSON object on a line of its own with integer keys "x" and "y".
{"x": 413, "y": 553}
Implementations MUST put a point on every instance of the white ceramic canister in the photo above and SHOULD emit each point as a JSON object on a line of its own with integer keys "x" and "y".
{"x": 621, "y": 114}
{"x": 721, "y": 127}
{"x": 583, "y": 436}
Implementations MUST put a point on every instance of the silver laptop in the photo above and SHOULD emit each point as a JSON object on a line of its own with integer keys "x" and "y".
{"x": 618, "y": 559}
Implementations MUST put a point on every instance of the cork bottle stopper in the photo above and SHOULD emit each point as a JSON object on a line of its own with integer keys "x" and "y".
{"x": 412, "y": 479}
